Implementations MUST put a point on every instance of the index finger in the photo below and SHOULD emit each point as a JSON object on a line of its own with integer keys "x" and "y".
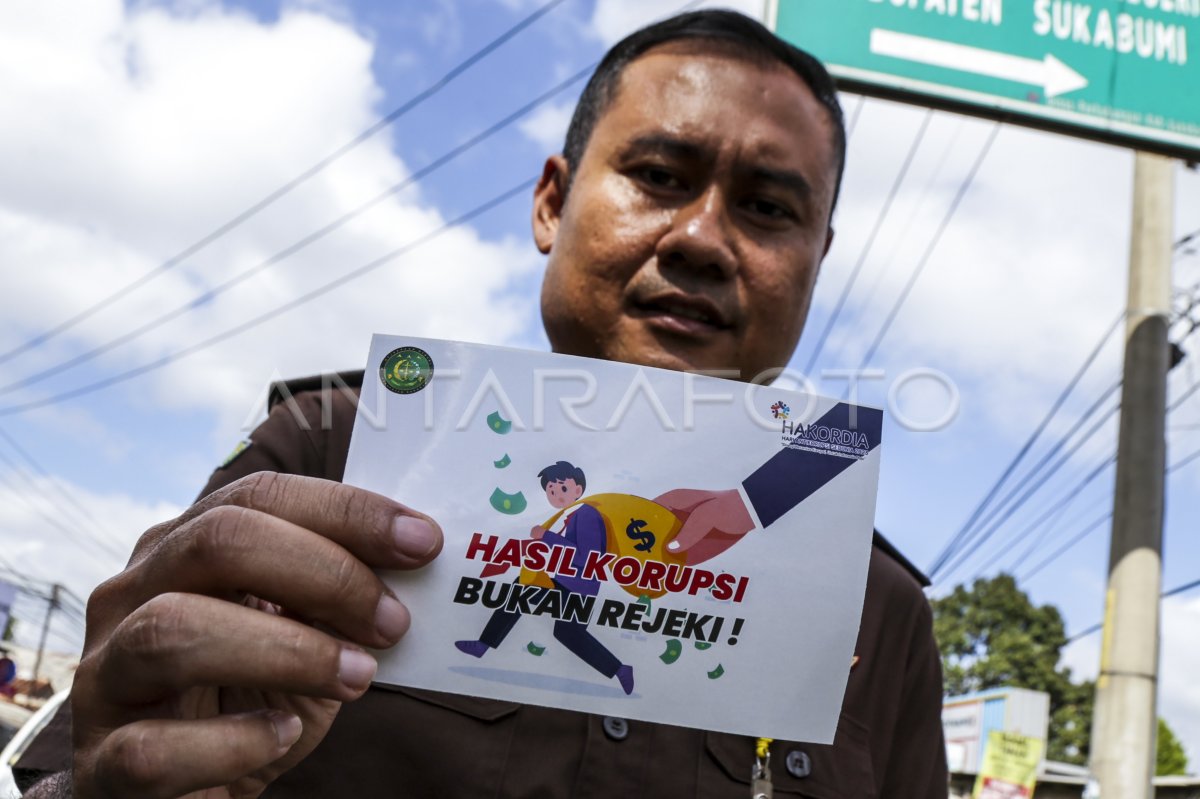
{"x": 377, "y": 530}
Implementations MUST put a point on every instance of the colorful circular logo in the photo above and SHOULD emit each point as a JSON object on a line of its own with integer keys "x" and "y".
{"x": 406, "y": 370}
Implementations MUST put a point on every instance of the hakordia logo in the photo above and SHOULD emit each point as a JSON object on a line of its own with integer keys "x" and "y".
{"x": 406, "y": 370}
{"x": 820, "y": 438}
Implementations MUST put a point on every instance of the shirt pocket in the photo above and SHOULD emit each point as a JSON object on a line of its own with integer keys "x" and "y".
{"x": 440, "y": 739}
{"x": 816, "y": 771}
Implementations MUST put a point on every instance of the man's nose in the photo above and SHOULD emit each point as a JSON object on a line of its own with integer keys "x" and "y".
{"x": 701, "y": 236}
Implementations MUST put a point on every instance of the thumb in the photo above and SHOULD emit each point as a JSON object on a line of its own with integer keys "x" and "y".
{"x": 723, "y": 514}
{"x": 693, "y": 531}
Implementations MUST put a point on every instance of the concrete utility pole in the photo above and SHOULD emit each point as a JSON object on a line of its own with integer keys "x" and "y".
{"x": 1124, "y": 726}
{"x": 50, "y": 608}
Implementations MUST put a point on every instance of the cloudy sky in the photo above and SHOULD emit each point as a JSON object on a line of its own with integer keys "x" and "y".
{"x": 135, "y": 130}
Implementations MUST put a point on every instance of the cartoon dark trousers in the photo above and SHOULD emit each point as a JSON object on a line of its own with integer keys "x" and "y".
{"x": 583, "y": 530}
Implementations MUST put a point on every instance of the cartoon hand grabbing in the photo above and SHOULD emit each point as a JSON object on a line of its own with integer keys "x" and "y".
{"x": 537, "y": 531}
{"x": 713, "y": 521}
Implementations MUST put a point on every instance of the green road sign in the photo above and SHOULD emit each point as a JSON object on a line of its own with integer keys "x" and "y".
{"x": 1125, "y": 71}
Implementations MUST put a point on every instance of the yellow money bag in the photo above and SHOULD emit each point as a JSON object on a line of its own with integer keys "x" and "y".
{"x": 634, "y": 527}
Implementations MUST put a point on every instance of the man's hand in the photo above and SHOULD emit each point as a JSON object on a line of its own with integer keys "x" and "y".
{"x": 219, "y": 657}
{"x": 537, "y": 531}
{"x": 713, "y": 521}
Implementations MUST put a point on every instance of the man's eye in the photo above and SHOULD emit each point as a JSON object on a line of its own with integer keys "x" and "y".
{"x": 772, "y": 210}
{"x": 660, "y": 178}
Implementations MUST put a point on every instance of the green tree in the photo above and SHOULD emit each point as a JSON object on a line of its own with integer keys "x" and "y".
{"x": 993, "y": 636}
{"x": 1169, "y": 757}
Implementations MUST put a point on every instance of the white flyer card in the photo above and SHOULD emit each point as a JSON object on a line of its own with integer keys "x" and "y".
{"x": 623, "y": 540}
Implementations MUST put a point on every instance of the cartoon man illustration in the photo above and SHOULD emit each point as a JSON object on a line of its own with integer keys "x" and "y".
{"x": 582, "y": 528}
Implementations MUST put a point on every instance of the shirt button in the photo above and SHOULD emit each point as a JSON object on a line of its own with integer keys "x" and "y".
{"x": 615, "y": 728}
{"x": 798, "y": 764}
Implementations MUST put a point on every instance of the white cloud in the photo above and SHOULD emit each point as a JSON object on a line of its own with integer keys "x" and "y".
{"x": 441, "y": 24}
{"x": 547, "y": 126}
{"x": 612, "y": 20}
{"x": 52, "y": 540}
{"x": 142, "y": 130}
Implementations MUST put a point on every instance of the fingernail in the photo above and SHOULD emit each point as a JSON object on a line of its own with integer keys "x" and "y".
{"x": 673, "y": 546}
{"x": 287, "y": 727}
{"x": 414, "y": 536}
{"x": 356, "y": 668}
{"x": 391, "y": 618}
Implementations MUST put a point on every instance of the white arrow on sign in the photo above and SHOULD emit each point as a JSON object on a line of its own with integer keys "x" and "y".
{"x": 1052, "y": 75}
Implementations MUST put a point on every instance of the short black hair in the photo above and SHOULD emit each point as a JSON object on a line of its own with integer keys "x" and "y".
{"x": 726, "y": 27}
{"x": 562, "y": 471}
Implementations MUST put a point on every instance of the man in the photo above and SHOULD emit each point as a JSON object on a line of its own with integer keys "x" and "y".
{"x": 582, "y": 531}
{"x": 684, "y": 223}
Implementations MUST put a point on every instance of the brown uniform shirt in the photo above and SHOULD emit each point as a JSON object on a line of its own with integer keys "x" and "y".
{"x": 408, "y": 742}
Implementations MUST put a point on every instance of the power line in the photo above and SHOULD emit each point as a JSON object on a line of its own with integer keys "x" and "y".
{"x": 1079, "y": 487}
{"x": 1034, "y": 544}
{"x": 1060, "y": 507}
{"x": 854, "y": 115}
{"x": 910, "y": 223}
{"x": 866, "y": 250}
{"x": 1095, "y": 628}
{"x": 67, "y": 593}
{"x": 6, "y": 565}
{"x": 960, "y": 538}
{"x": 1183, "y": 462}
{"x": 70, "y": 602}
{"x": 73, "y": 615}
{"x": 258, "y": 320}
{"x": 30, "y": 589}
{"x": 23, "y": 619}
{"x": 1005, "y": 511}
{"x": 1184, "y": 396}
{"x": 1082, "y": 534}
{"x": 1181, "y": 589}
{"x": 301, "y": 244}
{"x": 287, "y": 187}
{"x": 22, "y": 582}
{"x": 85, "y": 516}
{"x": 53, "y": 521}
{"x": 937, "y": 237}
{"x": 1183, "y": 241}
{"x": 73, "y": 644}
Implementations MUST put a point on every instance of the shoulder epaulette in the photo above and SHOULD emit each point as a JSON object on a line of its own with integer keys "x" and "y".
{"x": 282, "y": 389}
{"x": 890, "y": 550}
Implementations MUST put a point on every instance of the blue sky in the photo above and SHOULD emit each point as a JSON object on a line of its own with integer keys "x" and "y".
{"x": 136, "y": 129}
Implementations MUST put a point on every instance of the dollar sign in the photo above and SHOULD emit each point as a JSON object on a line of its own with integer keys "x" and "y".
{"x": 635, "y": 531}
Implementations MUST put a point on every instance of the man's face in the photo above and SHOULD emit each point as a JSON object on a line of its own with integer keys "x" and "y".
{"x": 563, "y": 493}
{"x": 697, "y": 217}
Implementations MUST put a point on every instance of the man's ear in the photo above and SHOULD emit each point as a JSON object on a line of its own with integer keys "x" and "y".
{"x": 548, "y": 199}
{"x": 828, "y": 241}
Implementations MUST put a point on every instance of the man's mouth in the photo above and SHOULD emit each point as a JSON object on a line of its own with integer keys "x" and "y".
{"x": 688, "y": 314}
